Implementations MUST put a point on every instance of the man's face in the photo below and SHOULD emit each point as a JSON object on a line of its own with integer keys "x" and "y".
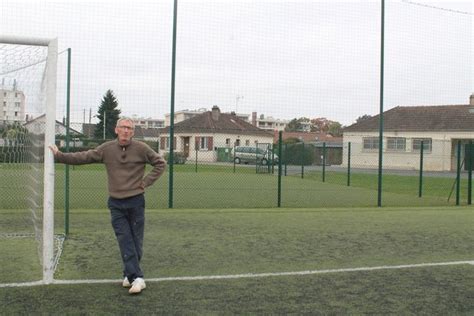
{"x": 124, "y": 131}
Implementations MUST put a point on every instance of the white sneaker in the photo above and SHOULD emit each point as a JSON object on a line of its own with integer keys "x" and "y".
{"x": 137, "y": 286}
{"x": 126, "y": 283}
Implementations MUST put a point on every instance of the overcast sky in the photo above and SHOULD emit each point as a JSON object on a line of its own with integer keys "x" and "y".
{"x": 284, "y": 59}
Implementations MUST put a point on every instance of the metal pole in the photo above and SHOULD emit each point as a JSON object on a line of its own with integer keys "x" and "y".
{"x": 469, "y": 175}
{"x": 458, "y": 173}
{"x": 68, "y": 126}
{"x": 324, "y": 161}
{"x": 105, "y": 121}
{"x": 280, "y": 142}
{"x": 420, "y": 189}
{"x": 233, "y": 157}
{"x": 302, "y": 160}
{"x": 48, "y": 183}
{"x": 173, "y": 79}
{"x": 379, "y": 187}
{"x": 349, "y": 164}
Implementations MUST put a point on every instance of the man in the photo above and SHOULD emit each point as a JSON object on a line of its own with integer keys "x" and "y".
{"x": 125, "y": 160}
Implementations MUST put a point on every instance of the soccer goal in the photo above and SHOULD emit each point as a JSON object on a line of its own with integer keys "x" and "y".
{"x": 28, "y": 71}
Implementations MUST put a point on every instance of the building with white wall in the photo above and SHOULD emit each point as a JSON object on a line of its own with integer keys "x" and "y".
{"x": 12, "y": 106}
{"x": 440, "y": 128}
{"x": 205, "y": 136}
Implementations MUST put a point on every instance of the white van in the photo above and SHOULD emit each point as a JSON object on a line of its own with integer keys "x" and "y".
{"x": 247, "y": 154}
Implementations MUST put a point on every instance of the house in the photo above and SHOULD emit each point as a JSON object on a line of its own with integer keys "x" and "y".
{"x": 439, "y": 128}
{"x": 37, "y": 126}
{"x": 211, "y": 135}
{"x": 148, "y": 122}
{"x": 183, "y": 115}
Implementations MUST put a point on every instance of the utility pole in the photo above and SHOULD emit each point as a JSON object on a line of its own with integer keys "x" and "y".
{"x": 237, "y": 98}
{"x": 105, "y": 121}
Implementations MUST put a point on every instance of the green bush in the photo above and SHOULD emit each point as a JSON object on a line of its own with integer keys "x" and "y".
{"x": 178, "y": 158}
{"x": 298, "y": 153}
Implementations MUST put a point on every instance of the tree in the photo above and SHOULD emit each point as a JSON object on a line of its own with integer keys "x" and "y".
{"x": 363, "y": 118}
{"x": 14, "y": 134}
{"x": 320, "y": 125}
{"x": 335, "y": 129}
{"x": 108, "y": 110}
{"x": 323, "y": 125}
{"x": 296, "y": 125}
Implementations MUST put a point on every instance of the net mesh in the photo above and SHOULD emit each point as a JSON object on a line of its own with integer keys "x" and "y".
{"x": 22, "y": 91}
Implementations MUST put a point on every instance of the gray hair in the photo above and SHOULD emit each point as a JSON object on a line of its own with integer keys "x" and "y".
{"x": 124, "y": 118}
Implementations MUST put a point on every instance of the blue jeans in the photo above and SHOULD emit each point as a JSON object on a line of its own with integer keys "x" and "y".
{"x": 128, "y": 221}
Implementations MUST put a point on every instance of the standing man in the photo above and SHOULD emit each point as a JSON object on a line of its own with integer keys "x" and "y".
{"x": 125, "y": 160}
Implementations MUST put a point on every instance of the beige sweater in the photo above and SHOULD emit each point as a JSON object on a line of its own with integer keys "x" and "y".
{"x": 125, "y": 165}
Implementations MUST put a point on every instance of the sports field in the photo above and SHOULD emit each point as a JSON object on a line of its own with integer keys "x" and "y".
{"x": 256, "y": 261}
{"x": 214, "y": 186}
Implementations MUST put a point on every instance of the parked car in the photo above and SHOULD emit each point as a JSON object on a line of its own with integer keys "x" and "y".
{"x": 248, "y": 154}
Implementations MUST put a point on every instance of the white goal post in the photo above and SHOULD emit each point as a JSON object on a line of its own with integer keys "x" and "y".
{"x": 50, "y": 117}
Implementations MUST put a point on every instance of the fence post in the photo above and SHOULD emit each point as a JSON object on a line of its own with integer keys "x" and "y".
{"x": 302, "y": 160}
{"x": 458, "y": 173}
{"x": 420, "y": 188}
{"x": 469, "y": 175}
{"x": 324, "y": 161}
{"x": 173, "y": 76}
{"x": 286, "y": 158}
{"x": 349, "y": 164}
{"x": 233, "y": 157}
{"x": 196, "y": 161}
{"x": 279, "y": 166}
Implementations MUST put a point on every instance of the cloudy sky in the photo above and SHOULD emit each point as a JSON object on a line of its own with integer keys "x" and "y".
{"x": 284, "y": 59}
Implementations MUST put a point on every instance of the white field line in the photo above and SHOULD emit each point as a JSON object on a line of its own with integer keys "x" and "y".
{"x": 248, "y": 275}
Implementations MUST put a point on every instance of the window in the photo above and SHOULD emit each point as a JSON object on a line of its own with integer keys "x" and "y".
{"x": 237, "y": 142}
{"x": 4, "y": 103}
{"x": 396, "y": 143}
{"x": 247, "y": 142}
{"x": 371, "y": 143}
{"x": 227, "y": 142}
{"x": 165, "y": 143}
{"x": 16, "y": 113}
{"x": 17, "y": 104}
{"x": 16, "y": 94}
{"x": 427, "y": 142}
{"x": 203, "y": 143}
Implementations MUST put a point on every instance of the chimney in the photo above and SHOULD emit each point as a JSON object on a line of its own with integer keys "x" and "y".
{"x": 215, "y": 113}
{"x": 254, "y": 118}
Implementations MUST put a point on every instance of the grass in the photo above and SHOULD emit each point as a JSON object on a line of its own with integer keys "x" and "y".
{"x": 219, "y": 187}
{"x": 434, "y": 291}
{"x": 191, "y": 242}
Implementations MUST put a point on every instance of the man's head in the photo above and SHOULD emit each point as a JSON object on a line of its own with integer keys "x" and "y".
{"x": 125, "y": 130}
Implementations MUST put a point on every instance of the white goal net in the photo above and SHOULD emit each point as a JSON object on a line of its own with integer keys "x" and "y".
{"x": 27, "y": 127}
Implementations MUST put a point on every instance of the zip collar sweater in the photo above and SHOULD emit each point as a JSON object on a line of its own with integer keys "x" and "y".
{"x": 125, "y": 165}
